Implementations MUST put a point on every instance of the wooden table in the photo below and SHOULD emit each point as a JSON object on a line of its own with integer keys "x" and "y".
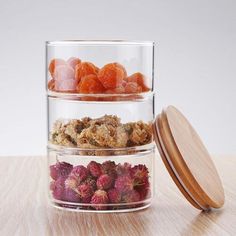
{"x": 24, "y": 209}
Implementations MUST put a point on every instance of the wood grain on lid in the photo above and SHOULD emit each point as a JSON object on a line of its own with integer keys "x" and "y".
{"x": 191, "y": 159}
{"x": 163, "y": 154}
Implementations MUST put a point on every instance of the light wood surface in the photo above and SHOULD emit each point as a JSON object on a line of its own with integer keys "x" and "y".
{"x": 24, "y": 209}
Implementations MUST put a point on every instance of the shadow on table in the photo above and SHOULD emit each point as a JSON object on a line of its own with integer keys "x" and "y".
{"x": 202, "y": 224}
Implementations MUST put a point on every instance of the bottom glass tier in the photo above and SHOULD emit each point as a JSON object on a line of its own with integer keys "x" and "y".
{"x": 120, "y": 182}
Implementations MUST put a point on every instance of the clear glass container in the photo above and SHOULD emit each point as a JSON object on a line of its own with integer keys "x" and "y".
{"x": 100, "y": 111}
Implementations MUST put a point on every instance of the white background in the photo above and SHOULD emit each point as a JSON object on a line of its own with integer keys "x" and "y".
{"x": 195, "y": 60}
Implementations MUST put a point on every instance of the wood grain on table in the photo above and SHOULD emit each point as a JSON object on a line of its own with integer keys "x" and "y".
{"x": 24, "y": 208}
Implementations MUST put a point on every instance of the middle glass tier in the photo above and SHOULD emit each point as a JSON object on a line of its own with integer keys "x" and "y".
{"x": 73, "y": 122}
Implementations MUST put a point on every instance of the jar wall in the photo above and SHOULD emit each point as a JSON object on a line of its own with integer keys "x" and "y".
{"x": 129, "y": 188}
{"x": 100, "y": 113}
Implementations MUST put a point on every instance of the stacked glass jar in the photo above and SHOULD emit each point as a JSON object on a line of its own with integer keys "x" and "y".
{"x": 100, "y": 111}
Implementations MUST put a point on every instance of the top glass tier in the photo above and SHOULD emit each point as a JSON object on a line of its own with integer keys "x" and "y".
{"x": 102, "y": 69}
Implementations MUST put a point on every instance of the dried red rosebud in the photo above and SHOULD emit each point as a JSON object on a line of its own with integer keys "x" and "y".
{"x": 60, "y": 169}
{"x": 105, "y": 182}
{"x": 114, "y": 195}
{"x": 100, "y": 197}
{"x": 85, "y": 192}
{"x": 131, "y": 196}
{"x": 124, "y": 184}
{"x": 57, "y": 187}
{"x": 95, "y": 169}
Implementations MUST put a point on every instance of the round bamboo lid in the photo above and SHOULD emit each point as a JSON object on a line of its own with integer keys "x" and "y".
{"x": 187, "y": 160}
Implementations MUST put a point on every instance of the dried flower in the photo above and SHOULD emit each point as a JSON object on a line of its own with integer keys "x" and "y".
{"x": 131, "y": 196}
{"x": 95, "y": 169}
{"x": 124, "y": 184}
{"x": 60, "y": 169}
{"x": 114, "y": 195}
{"x": 85, "y": 192}
{"x": 105, "y": 182}
{"x": 100, "y": 197}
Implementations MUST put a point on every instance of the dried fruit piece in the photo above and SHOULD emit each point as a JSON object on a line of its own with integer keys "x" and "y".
{"x": 124, "y": 184}
{"x": 114, "y": 195}
{"x": 84, "y": 69}
{"x": 100, "y": 197}
{"x": 64, "y": 72}
{"x": 68, "y": 85}
{"x": 95, "y": 169}
{"x": 54, "y": 63}
{"x": 111, "y": 76}
{"x": 73, "y": 62}
{"x": 140, "y": 79}
{"x": 133, "y": 87}
{"x": 90, "y": 84}
{"x": 60, "y": 169}
{"x": 51, "y": 84}
{"x": 105, "y": 182}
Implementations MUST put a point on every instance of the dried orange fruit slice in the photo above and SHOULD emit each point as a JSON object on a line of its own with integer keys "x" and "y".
{"x": 85, "y": 68}
{"x": 73, "y": 62}
{"x": 53, "y": 65}
{"x": 51, "y": 84}
{"x": 64, "y": 72}
{"x": 133, "y": 87}
{"x": 90, "y": 84}
{"x": 68, "y": 85}
{"x": 140, "y": 79}
{"x": 111, "y": 75}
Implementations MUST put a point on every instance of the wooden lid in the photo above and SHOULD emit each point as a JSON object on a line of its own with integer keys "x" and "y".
{"x": 187, "y": 160}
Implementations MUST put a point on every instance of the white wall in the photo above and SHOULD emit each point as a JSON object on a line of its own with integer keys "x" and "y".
{"x": 195, "y": 60}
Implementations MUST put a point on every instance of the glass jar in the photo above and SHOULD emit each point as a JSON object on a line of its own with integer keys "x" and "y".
{"x": 100, "y": 113}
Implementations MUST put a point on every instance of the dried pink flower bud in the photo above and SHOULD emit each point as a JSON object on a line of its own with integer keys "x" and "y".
{"x": 95, "y": 169}
{"x": 60, "y": 169}
{"x": 139, "y": 173}
{"x": 57, "y": 187}
{"x": 85, "y": 192}
{"x": 131, "y": 196}
{"x": 123, "y": 169}
{"x": 105, "y": 182}
{"x": 71, "y": 196}
{"x": 109, "y": 167}
{"x": 114, "y": 195}
{"x": 100, "y": 197}
{"x": 124, "y": 184}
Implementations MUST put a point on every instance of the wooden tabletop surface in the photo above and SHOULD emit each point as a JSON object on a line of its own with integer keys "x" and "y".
{"x": 24, "y": 209}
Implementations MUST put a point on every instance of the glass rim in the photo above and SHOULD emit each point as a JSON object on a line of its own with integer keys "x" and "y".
{"x": 100, "y": 42}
